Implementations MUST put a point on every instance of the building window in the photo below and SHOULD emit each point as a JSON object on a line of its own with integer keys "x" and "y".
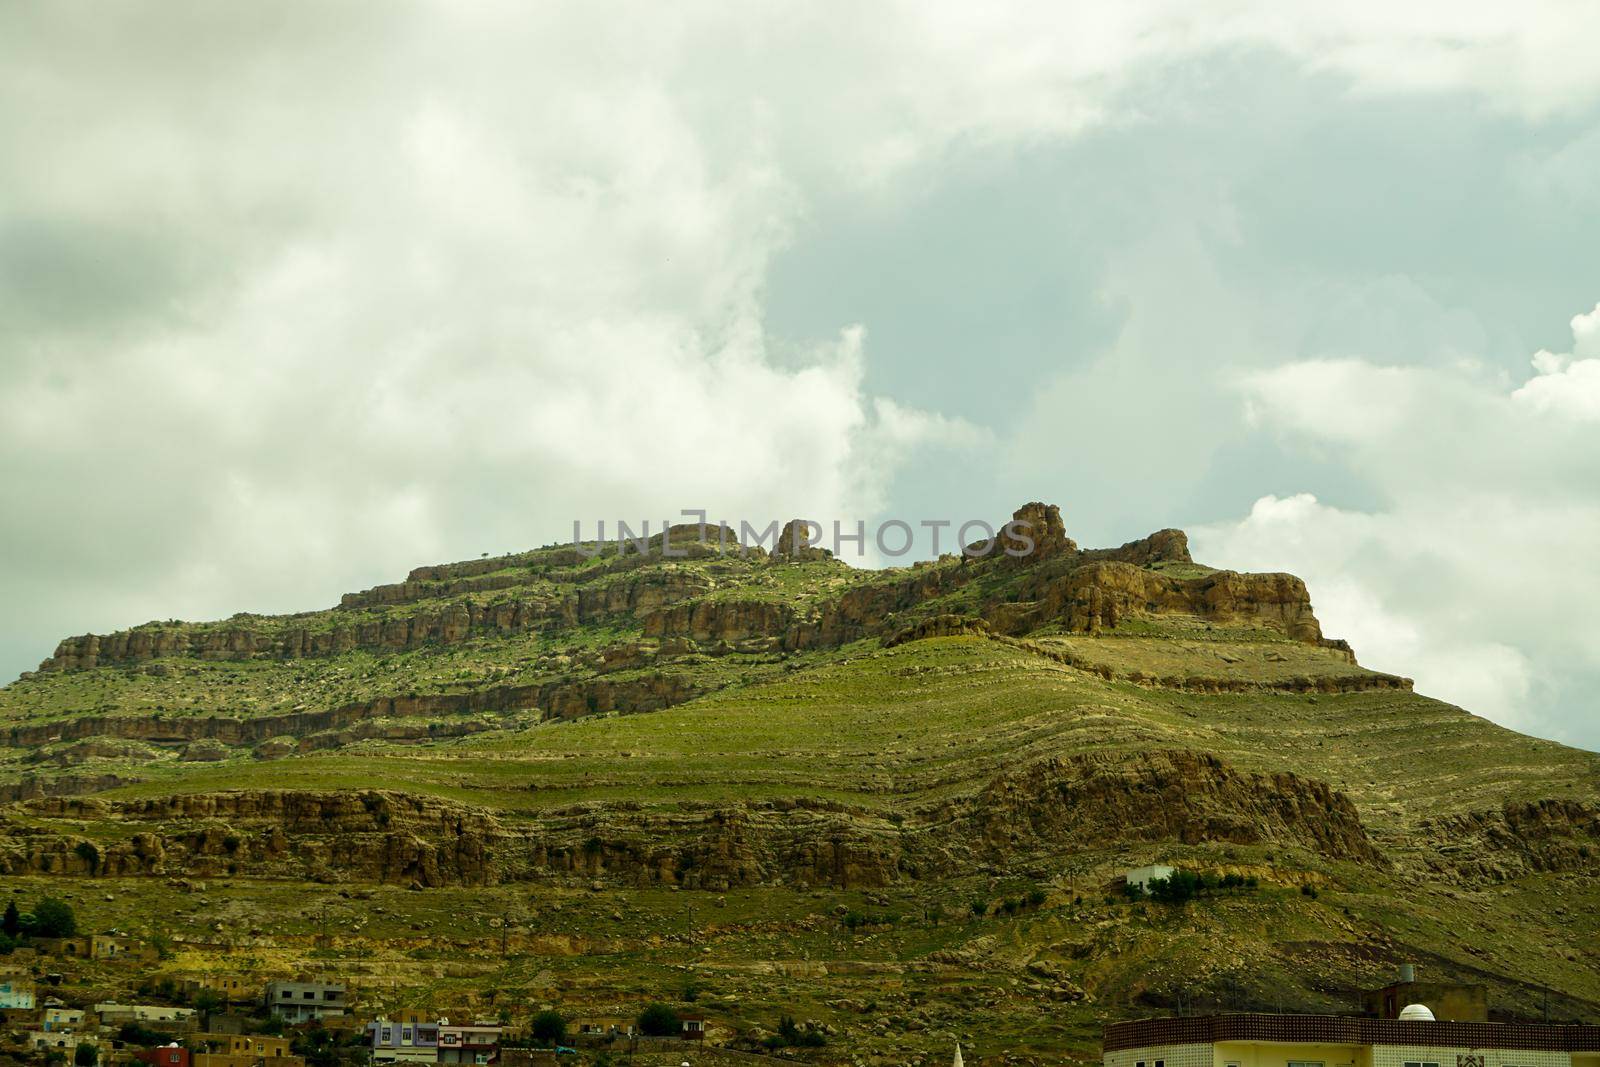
{"x": 1419, "y": 1063}
{"x": 1314, "y": 1063}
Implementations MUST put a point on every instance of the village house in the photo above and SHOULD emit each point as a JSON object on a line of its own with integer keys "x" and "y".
{"x": 113, "y": 1014}
{"x": 64, "y": 1041}
{"x": 228, "y": 1023}
{"x": 603, "y": 1026}
{"x": 16, "y": 993}
{"x": 231, "y": 988}
{"x": 475, "y": 1043}
{"x": 693, "y": 1026}
{"x": 302, "y": 1002}
{"x": 1415, "y": 1039}
{"x": 1141, "y": 877}
{"x": 98, "y": 947}
{"x": 56, "y": 1020}
{"x": 165, "y": 1056}
{"x": 403, "y": 1040}
{"x": 260, "y": 1046}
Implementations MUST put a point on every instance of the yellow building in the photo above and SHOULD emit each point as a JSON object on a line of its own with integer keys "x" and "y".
{"x": 244, "y": 1059}
{"x": 1341, "y": 1041}
{"x": 258, "y": 1046}
{"x": 232, "y": 988}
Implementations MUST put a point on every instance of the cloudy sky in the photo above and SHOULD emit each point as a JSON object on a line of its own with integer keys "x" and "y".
{"x": 294, "y": 297}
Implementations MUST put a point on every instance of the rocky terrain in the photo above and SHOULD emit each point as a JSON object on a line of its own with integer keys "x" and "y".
{"x": 744, "y": 762}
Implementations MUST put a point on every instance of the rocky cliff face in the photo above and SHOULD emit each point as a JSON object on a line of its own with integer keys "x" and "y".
{"x": 1059, "y": 583}
{"x": 1088, "y": 801}
{"x": 1516, "y": 839}
{"x": 1097, "y": 595}
{"x": 561, "y": 698}
{"x": 1163, "y": 546}
{"x": 383, "y": 837}
{"x": 380, "y": 836}
{"x": 637, "y": 594}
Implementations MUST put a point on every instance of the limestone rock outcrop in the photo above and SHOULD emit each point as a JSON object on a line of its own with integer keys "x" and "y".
{"x": 795, "y": 544}
{"x": 372, "y": 835}
{"x": 1166, "y": 795}
{"x": 1552, "y": 834}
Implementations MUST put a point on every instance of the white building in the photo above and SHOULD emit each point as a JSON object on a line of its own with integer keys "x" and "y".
{"x": 1345, "y": 1041}
{"x": 16, "y": 993}
{"x": 111, "y": 1012}
{"x": 1143, "y": 876}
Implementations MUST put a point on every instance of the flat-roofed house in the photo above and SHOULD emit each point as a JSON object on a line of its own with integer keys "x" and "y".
{"x": 403, "y": 1040}
{"x": 301, "y": 1002}
{"x": 1417, "y": 1040}
{"x": 473, "y": 1043}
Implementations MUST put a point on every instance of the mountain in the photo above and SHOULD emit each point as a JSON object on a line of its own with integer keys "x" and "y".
{"x": 897, "y": 803}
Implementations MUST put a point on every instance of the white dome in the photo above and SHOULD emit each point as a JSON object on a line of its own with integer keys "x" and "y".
{"x": 1417, "y": 1013}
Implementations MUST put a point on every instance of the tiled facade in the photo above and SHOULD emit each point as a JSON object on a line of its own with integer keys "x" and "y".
{"x": 1340, "y": 1041}
{"x": 1188, "y": 1055}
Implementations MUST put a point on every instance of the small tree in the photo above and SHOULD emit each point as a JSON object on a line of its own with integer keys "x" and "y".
{"x": 11, "y": 925}
{"x": 549, "y": 1028}
{"x": 659, "y": 1020}
{"x": 1181, "y": 886}
{"x": 54, "y": 918}
{"x": 85, "y": 1055}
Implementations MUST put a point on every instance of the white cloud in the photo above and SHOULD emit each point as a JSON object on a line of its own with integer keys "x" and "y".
{"x": 1568, "y": 385}
{"x": 1474, "y": 575}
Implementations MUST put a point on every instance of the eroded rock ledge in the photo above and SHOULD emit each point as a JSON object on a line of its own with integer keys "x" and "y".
{"x": 1090, "y": 801}
{"x": 1056, "y": 583}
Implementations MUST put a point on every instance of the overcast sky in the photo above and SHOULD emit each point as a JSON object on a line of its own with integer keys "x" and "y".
{"x": 294, "y": 297}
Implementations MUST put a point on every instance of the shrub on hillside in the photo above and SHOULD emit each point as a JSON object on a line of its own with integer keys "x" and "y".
{"x": 549, "y": 1028}
{"x": 659, "y": 1020}
{"x": 790, "y": 1035}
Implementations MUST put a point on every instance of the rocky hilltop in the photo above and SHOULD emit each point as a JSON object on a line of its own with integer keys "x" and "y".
{"x": 556, "y": 590}
{"x": 953, "y": 763}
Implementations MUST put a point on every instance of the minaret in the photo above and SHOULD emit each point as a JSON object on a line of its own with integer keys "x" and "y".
{"x": 957, "y": 1062}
